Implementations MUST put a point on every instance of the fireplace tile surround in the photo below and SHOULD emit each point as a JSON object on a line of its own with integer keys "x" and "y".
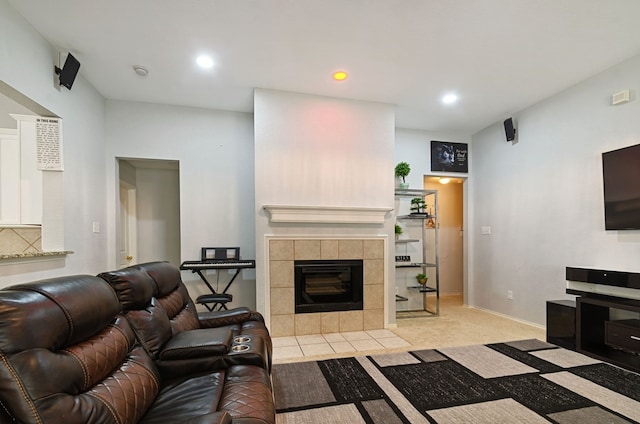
{"x": 282, "y": 253}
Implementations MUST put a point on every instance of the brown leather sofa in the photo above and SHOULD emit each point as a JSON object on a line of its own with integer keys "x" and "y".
{"x": 160, "y": 311}
{"x": 69, "y": 355}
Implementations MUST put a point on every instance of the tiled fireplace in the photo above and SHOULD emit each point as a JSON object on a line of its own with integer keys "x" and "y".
{"x": 281, "y": 254}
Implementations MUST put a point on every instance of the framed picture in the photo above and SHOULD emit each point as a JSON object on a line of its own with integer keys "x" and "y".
{"x": 449, "y": 157}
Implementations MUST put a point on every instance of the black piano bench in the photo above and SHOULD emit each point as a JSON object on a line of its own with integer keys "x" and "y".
{"x": 214, "y": 302}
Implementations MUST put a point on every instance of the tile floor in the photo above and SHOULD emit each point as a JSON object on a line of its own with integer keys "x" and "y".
{"x": 457, "y": 325}
{"x": 327, "y": 344}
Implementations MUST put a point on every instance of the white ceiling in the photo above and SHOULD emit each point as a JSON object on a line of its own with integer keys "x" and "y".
{"x": 500, "y": 56}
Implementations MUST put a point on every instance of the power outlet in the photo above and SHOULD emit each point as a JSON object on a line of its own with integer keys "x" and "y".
{"x": 510, "y": 294}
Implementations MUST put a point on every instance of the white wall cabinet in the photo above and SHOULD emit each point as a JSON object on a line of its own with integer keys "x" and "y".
{"x": 20, "y": 178}
{"x": 9, "y": 176}
{"x": 417, "y": 252}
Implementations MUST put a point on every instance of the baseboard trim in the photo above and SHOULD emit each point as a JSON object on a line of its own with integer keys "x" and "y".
{"x": 521, "y": 321}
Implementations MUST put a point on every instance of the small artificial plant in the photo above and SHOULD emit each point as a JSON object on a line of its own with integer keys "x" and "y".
{"x": 422, "y": 278}
{"x": 402, "y": 170}
{"x": 418, "y": 205}
{"x": 398, "y": 230}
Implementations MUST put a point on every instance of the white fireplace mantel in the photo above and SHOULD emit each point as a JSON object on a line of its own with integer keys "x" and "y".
{"x": 326, "y": 214}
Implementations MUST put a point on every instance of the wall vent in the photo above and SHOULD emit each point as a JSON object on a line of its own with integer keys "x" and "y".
{"x": 620, "y": 97}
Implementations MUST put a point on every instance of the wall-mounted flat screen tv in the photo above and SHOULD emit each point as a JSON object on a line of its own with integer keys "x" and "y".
{"x": 621, "y": 176}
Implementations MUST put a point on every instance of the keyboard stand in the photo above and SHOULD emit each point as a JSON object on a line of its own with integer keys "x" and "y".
{"x": 215, "y": 301}
{"x": 218, "y": 300}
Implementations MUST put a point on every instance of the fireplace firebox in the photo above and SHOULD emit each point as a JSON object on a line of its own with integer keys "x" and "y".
{"x": 328, "y": 285}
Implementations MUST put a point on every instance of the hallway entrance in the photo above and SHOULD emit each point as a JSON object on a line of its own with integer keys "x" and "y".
{"x": 450, "y": 234}
{"x": 149, "y": 219}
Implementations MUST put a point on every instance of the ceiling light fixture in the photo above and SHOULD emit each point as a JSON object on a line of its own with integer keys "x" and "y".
{"x": 340, "y": 75}
{"x": 141, "y": 70}
{"x": 444, "y": 180}
{"x": 450, "y": 98}
{"x": 204, "y": 61}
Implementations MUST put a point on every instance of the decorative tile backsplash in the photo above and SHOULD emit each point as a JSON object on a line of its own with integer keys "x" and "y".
{"x": 20, "y": 240}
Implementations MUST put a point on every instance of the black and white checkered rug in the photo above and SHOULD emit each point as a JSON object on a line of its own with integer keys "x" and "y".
{"x": 525, "y": 381}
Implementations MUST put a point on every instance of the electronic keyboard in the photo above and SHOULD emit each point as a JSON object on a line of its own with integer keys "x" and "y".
{"x": 218, "y": 264}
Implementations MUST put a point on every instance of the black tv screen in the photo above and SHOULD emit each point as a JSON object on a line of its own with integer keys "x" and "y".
{"x": 621, "y": 177}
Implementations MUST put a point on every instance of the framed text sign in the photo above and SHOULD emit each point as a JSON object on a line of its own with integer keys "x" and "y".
{"x": 449, "y": 157}
{"x": 49, "y": 144}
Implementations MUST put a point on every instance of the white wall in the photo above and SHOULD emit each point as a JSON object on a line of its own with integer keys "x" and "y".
{"x": 26, "y": 64}
{"x": 320, "y": 151}
{"x": 543, "y": 199}
{"x": 215, "y": 150}
{"x": 7, "y": 106}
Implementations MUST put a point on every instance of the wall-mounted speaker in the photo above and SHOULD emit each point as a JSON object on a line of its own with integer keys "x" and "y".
{"x": 509, "y": 129}
{"x": 69, "y": 71}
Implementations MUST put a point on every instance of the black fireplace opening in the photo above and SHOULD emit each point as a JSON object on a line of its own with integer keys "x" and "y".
{"x": 328, "y": 285}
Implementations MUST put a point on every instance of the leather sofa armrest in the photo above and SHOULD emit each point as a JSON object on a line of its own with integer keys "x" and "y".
{"x": 221, "y": 318}
{"x": 198, "y": 343}
{"x": 220, "y": 417}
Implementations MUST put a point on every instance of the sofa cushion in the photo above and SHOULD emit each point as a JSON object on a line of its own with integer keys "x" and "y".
{"x": 228, "y": 317}
{"x": 134, "y": 287}
{"x": 80, "y": 318}
{"x": 245, "y": 390}
{"x": 152, "y": 326}
{"x": 180, "y": 310}
{"x": 187, "y": 397}
{"x": 197, "y": 343}
{"x": 164, "y": 274}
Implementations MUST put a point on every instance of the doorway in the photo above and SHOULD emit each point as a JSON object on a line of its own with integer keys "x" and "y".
{"x": 127, "y": 246}
{"x": 450, "y": 236}
{"x": 149, "y": 218}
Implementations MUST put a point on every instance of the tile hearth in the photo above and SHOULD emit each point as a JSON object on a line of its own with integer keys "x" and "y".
{"x": 291, "y": 347}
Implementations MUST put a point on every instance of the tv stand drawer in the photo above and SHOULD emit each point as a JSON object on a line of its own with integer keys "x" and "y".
{"x": 623, "y": 334}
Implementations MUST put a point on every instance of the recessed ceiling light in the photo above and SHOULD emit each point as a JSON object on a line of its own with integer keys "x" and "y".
{"x": 444, "y": 180}
{"x": 340, "y": 75}
{"x": 450, "y": 98}
{"x": 141, "y": 70}
{"x": 204, "y": 61}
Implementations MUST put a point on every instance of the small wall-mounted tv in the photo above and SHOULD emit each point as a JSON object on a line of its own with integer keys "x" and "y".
{"x": 621, "y": 177}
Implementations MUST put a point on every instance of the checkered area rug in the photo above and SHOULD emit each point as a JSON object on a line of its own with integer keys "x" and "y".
{"x": 525, "y": 381}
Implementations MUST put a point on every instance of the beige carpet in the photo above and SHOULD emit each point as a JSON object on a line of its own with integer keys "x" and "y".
{"x": 457, "y": 325}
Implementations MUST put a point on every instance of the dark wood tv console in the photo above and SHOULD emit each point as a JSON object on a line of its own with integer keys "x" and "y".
{"x": 598, "y": 333}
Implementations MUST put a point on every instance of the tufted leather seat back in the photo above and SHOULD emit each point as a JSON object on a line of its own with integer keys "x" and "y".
{"x": 155, "y": 301}
{"x": 172, "y": 295}
{"x": 68, "y": 355}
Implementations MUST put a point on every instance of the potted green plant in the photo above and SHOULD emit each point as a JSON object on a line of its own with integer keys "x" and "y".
{"x": 418, "y": 205}
{"x": 402, "y": 170}
{"x": 398, "y": 231}
{"x": 422, "y": 278}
